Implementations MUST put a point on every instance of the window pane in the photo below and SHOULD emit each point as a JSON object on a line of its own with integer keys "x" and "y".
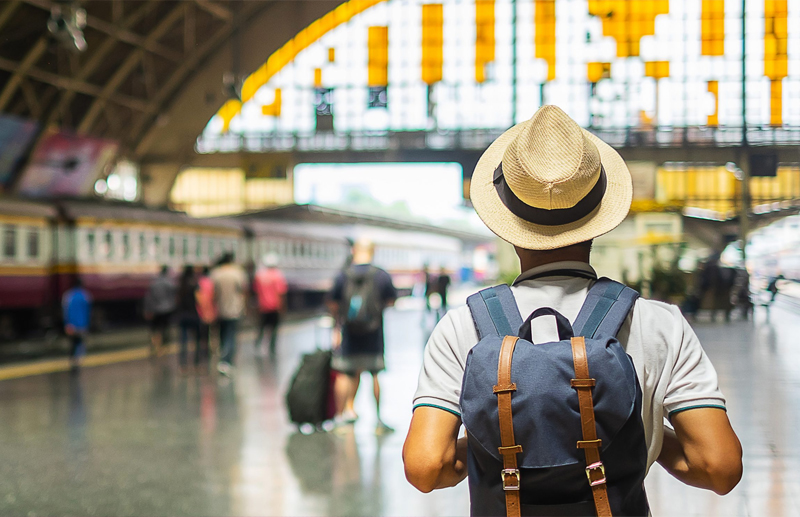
{"x": 142, "y": 246}
{"x": 157, "y": 247}
{"x": 33, "y": 243}
{"x": 185, "y": 247}
{"x": 198, "y": 248}
{"x": 126, "y": 246}
{"x": 90, "y": 244}
{"x": 109, "y": 242}
{"x": 172, "y": 247}
{"x": 10, "y": 242}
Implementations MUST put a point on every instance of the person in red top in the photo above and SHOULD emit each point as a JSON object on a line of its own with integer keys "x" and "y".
{"x": 270, "y": 288}
{"x": 206, "y": 310}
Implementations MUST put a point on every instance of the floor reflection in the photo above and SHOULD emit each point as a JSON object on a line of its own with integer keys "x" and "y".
{"x": 139, "y": 439}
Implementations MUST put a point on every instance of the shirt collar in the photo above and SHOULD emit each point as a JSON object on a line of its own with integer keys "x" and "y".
{"x": 555, "y": 266}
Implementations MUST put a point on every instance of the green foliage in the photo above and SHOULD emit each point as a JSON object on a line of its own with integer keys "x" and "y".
{"x": 667, "y": 281}
{"x": 508, "y": 277}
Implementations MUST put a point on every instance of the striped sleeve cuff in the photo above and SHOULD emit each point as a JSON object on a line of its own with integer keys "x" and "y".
{"x": 674, "y": 409}
{"x": 438, "y": 404}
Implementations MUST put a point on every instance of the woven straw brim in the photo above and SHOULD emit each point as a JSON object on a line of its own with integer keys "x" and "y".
{"x": 611, "y": 211}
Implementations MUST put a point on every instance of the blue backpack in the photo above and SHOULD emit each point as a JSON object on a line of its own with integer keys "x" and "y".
{"x": 576, "y": 444}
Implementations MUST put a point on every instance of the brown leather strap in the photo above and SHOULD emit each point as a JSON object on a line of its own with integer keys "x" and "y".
{"x": 595, "y": 471}
{"x": 508, "y": 449}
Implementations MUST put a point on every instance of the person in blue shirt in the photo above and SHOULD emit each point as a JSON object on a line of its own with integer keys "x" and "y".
{"x": 77, "y": 307}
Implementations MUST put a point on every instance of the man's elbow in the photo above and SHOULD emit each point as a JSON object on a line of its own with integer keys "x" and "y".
{"x": 423, "y": 475}
{"x": 726, "y": 473}
{"x": 422, "y": 481}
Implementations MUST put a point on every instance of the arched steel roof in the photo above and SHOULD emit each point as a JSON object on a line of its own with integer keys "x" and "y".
{"x": 139, "y": 55}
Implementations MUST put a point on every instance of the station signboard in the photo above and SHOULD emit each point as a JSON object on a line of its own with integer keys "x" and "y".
{"x": 684, "y": 70}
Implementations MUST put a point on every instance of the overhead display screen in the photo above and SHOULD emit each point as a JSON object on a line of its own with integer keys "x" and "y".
{"x": 373, "y": 67}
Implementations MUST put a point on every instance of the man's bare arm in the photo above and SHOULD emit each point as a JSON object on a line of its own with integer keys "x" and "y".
{"x": 433, "y": 455}
{"x": 703, "y": 450}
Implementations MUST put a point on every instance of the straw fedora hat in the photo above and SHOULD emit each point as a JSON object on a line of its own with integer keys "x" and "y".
{"x": 546, "y": 183}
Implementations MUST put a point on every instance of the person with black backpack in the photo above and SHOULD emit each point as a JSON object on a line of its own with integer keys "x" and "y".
{"x": 360, "y": 294}
{"x": 564, "y": 418}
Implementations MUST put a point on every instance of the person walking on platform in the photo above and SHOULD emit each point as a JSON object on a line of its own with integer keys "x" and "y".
{"x": 443, "y": 282}
{"x": 590, "y": 404}
{"x": 430, "y": 286}
{"x": 206, "y": 309}
{"x": 270, "y": 287}
{"x": 188, "y": 317}
{"x": 230, "y": 293}
{"x": 360, "y": 294}
{"x": 159, "y": 306}
{"x": 76, "y": 305}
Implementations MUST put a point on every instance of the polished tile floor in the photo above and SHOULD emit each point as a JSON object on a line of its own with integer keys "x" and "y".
{"x": 135, "y": 438}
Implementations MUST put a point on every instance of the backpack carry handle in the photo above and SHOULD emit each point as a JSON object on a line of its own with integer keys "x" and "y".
{"x": 562, "y": 324}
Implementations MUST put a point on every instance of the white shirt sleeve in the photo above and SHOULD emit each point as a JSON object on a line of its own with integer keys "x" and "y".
{"x": 692, "y": 380}
{"x": 443, "y": 365}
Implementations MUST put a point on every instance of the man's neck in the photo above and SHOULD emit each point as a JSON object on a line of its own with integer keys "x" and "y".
{"x": 529, "y": 259}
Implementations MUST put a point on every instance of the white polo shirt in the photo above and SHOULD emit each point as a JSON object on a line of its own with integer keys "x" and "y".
{"x": 674, "y": 372}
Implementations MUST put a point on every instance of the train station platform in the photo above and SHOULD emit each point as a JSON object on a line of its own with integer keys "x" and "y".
{"x": 136, "y": 438}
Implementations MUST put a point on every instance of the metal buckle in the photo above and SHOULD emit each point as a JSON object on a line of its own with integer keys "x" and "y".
{"x": 504, "y": 476}
{"x": 595, "y": 466}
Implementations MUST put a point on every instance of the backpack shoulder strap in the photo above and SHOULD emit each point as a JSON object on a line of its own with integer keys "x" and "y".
{"x": 494, "y": 311}
{"x": 606, "y": 307}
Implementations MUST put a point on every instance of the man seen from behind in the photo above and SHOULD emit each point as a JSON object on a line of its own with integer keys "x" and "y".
{"x": 159, "y": 307}
{"x": 230, "y": 291}
{"x": 270, "y": 288}
{"x": 360, "y": 294}
{"x": 549, "y": 187}
{"x": 76, "y": 305}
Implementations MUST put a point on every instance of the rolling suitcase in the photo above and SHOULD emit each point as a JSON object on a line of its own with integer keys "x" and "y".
{"x": 308, "y": 397}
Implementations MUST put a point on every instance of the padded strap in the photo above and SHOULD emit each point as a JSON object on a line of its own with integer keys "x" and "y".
{"x": 595, "y": 471}
{"x": 494, "y": 311}
{"x": 606, "y": 307}
{"x": 508, "y": 449}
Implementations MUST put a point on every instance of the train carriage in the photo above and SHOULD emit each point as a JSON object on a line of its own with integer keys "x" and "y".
{"x": 117, "y": 248}
{"x": 26, "y": 288}
{"x": 312, "y": 245}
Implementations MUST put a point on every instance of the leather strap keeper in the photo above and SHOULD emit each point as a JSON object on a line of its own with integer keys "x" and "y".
{"x": 590, "y": 444}
{"x": 513, "y": 449}
{"x": 583, "y": 383}
{"x": 505, "y": 388}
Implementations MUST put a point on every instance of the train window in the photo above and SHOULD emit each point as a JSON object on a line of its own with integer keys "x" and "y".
{"x": 185, "y": 248}
{"x": 171, "y": 247}
{"x": 109, "y": 244}
{"x": 157, "y": 247}
{"x": 10, "y": 242}
{"x": 90, "y": 244}
{"x": 142, "y": 246}
{"x": 33, "y": 243}
{"x": 126, "y": 246}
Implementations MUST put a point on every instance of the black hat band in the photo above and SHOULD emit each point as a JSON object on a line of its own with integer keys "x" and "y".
{"x": 542, "y": 216}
